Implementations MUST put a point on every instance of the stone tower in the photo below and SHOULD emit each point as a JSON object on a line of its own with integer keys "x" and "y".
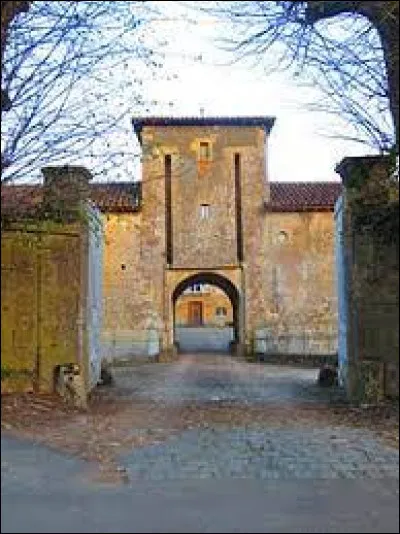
{"x": 204, "y": 190}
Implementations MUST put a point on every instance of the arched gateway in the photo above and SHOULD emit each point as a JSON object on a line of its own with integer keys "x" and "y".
{"x": 222, "y": 282}
{"x": 205, "y": 212}
{"x": 229, "y": 280}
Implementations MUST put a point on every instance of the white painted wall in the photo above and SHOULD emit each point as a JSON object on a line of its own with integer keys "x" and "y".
{"x": 204, "y": 338}
{"x": 341, "y": 285}
{"x": 94, "y": 295}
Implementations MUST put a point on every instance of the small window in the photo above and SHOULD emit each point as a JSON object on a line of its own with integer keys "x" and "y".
{"x": 204, "y": 211}
{"x": 204, "y": 151}
{"x": 220, "y": 312}
{"x": 282, "y": 237}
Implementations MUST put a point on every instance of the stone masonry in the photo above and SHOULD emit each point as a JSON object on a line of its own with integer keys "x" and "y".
{"x": 206, "y": 212}
{"x": 187, "y": 228}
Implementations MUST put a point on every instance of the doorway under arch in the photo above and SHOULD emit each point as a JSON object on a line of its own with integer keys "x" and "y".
{"x": 229, "y": 290}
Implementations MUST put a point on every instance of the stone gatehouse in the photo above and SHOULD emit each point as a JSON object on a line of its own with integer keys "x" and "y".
{"x": 205, "y": 212}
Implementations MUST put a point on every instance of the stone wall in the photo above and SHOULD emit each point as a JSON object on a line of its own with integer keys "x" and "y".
{"x": 41, "y": 303}
{"x": 284, "y": 287}
{"x": 204, "y": 242}
{"x": 371, "y": 247}
{"x": 298, "y": 266}
{"x": 50, "y": 288}
{"x": 130, "y": 326}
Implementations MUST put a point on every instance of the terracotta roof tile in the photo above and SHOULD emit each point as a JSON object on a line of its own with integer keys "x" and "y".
{"x": 20, "y": 200}
{"x": 126, "y": 197}
{"x": 116, "y": 196}
{"x": 303, "y": 196}
{"x": 23, "y": 200}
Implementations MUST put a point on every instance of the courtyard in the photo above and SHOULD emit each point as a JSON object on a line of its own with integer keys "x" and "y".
{"x": 212, "y": 442}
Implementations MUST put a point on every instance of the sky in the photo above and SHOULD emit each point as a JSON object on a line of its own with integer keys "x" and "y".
{"x": 197, "y": 78}
{"x": 299, "y": 147}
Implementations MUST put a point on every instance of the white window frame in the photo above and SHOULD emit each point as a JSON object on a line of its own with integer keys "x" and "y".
{"x": 204, "y": 211}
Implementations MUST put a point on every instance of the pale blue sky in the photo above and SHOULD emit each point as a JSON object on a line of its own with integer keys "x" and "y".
{"x": 196, "y": 75}
{"x": 298, "y": 150}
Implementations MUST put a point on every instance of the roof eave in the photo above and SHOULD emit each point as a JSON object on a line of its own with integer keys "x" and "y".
{"x": 119, "y": 209}
{"x": 266, "y": 123}
{"x": 291, "y": 209}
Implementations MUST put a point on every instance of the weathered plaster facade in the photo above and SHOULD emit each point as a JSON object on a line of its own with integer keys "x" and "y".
{"x": 209, "y": 220}
{"x": 204, "y": 212}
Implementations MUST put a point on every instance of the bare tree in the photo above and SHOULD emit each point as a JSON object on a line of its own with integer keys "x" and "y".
{"x": 9, "y": 10}
{"x": 349, "y": 49}
{"x": 74, "y": 73}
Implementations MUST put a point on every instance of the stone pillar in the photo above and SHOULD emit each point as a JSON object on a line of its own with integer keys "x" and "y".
{"x": 372, "y": 310}
{"x": 65, "y": 188}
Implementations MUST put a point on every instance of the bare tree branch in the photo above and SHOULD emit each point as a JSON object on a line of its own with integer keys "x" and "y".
{"x": 74, "y": 72}
{"x": 348, "y": 48}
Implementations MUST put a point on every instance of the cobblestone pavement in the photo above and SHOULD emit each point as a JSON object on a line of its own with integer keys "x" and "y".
{"x": 205, "y": 444}
{"x": 206, "y": 378}
{"x": 292, "y": 451}
{"x": 265, "y": 454}
{"x": 42, "y": 493}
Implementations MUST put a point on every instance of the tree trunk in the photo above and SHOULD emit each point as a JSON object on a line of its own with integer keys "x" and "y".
{"x": 387, "y": 25}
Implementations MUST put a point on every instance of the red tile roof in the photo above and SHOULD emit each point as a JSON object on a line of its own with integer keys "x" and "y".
{"x": 24, "y": 200}
{"x": 21, "y": 200}
{"x": 117, "y": 196}
{"x": 126, "y": 197}
{"x": 303, "y": 196}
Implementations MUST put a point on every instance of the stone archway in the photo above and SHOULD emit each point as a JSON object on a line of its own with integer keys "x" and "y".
{"x": 221, "y": 282}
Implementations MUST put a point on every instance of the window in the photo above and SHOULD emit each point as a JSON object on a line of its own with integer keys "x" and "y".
{"x": 220, "y": 312}
{"x": 282, "y": 237}
{"x": 195, "y": 288}
{"x": 204, "y": 211}
{"x": 305, "y": 269}
{"x": 204, "y": 151}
